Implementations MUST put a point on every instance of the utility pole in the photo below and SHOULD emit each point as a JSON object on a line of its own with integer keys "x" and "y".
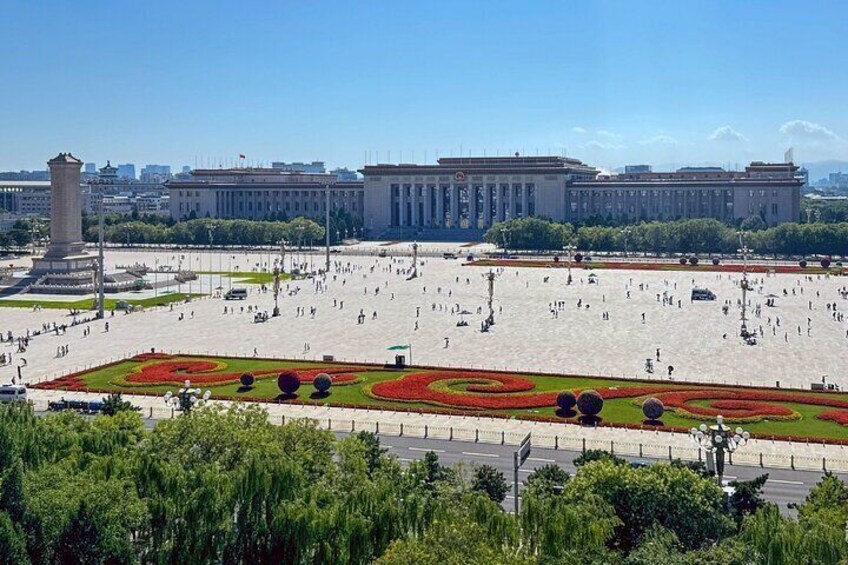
{"x": 327, "y": 228}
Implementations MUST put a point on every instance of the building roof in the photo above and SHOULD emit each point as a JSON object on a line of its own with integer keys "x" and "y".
{"x": 64, "y": 159}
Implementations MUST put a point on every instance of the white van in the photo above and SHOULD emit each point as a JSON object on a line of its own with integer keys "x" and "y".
{"x": 13, "y": 393}
{"x": 236, "y": 294}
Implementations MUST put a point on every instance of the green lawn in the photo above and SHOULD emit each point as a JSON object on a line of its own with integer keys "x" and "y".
{"x": 619, "y": 410}
{"x": 248, "y": 278}
{"x": 88, "y": 303}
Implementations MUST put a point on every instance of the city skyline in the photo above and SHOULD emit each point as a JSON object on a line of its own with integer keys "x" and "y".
{"x": 690, "y": 84}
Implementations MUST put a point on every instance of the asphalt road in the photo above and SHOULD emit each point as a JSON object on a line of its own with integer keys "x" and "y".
{"x": 784, "y": 486}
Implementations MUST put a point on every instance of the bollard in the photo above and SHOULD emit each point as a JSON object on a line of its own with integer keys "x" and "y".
{"x": 451, "y": 434}
{"x": 283, "y": 419}
{"x": 792, "y": 461}
{"x": 329, "y": 423}
{"x": 476, "y": 436}
{"x": 556, "y": 442}
{"x": 377, "y": 427}
{"x": 151, "y": 413}
{"x": 353, "y": 426}
{"x": 669, "y": 454}
{"x": 824, "y": 464}
{"x": 401, "y": 429}
{"x": 730, "y": 457}
{"x": 172, "y": 413}
{"x": 612, "y": 447}
{"x": 761, "y": 459}
{"x": 426, "y": 430}
{"x": 503, "y": 437}
{"x": 699, "y": 455}
{"x": 584, "y": 445}
{"x": 640, "y": 450}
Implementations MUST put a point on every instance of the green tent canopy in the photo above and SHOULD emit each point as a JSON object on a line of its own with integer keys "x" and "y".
{"x": 398, "y": 347}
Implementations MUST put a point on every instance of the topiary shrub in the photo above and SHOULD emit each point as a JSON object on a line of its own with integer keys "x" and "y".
{"x": 716, "y": 261}
{"x": 246, "y": 379}
{"x": 590, "y": 403}
{"x": 825, "y": 263}
{"x": 693, "y": 261}
{"x": 322, "y": 382}
{"x": 566, "y": 400}
{"x": 653, "y": 408}
{"x": 556, "y": 258}
{"x": 578, "y": 257}
{"x": 682, "y": 260}
{"x": 288, "y": 382}
{"x": 802, "y": 263}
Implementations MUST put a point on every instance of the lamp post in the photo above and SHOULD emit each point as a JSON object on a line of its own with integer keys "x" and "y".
{"x": 490, "y": 276}
{"x": 569, "y": 250}
{"x": 626, "y": 234}
{"x": 276, "y": 311}
{"x": 186, "y": 398}
{"x": 744, "y": 285}
{"x": 414, "y": 260}
{"x": 327, "y": 228}
{"x": 717, "y": 440}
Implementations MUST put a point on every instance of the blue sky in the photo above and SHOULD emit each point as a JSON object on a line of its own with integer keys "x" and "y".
{"x": 612, "y": 83}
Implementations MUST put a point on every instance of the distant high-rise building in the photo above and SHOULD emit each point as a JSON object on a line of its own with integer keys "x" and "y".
{"x": 126, "y": 171}
{"x": 344, "y": 174}
{"x": 91, "y": 168}
{"x": 297, "y": 167}
{"x": 637, "y": 169}
{"x": 155, "y": 173}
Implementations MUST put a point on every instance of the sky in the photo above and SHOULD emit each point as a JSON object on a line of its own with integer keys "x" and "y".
{"x": 611, "y": 83}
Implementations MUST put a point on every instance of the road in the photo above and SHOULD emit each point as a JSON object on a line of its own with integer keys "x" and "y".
{"x": 784, "y": 486}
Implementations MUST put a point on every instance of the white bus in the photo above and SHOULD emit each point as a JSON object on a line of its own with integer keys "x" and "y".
{"x": 13, "y": 393}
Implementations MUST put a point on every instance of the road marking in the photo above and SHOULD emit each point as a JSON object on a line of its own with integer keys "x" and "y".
{"x": 728, "y": 477}
{"x": 783, "y": 482}
{"x": 541, "y": 460}
{"x": 406, "y": 460}
{"x": 422, "y": 449}
{"x": 475, "y": 454}
{"x": 526, "y": 470}
{"x": 387, "y": 446}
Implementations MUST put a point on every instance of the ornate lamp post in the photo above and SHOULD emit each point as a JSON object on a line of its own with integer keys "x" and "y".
{"x": 569, "y": 250}
{"x": 276, "y": 311}
{"x": 186, "y": 398}
{"x": 717, "y": 440}
{"x": 414, "y": 260}
{"x": 490, "y": 321}
{"x": 744, "y": 285}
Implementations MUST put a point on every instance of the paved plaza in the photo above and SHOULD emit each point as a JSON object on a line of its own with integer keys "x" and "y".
{"x": 367, "y": 304}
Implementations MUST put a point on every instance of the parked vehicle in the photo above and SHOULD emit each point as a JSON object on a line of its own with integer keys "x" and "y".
{"x": 83, "y": 406}
{"x": 13, "y": 393}
{"x": 236, "y": 294}
{"x": 703, "y": 294}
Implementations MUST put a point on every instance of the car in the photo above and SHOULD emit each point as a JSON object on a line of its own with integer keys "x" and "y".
{"x": 703, "y": 294}
{"x": 236, "y": 294}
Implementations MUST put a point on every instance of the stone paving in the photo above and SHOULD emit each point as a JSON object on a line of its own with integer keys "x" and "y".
{"x": 697, "y": 338}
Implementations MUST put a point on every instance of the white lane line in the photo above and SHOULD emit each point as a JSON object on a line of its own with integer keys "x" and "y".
{"x": 784, "y": 482}
{"x": 526, "y": 471}
{"x": 541, "y": 460}
{"x": 475, "y": 454}
{"x": 425, "y": 450}
{"x": 406, "y": 460}
{"x": 387, "y": 446}
{"x": 731, "y": 477}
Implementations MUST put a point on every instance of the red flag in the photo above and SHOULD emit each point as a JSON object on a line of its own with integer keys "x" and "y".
{"x": 242, "y": 156}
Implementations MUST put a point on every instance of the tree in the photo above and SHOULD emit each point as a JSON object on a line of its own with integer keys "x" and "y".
{"x": 747, "y": 497}
{"x": 12, "y": 542}
{"x": 591, "y": 455}
{"x": 490, "y": 482}
{"x": 547, "y": 480}
{"x": 114, "y": 403}
{"x": 374, "y": 453}
{"x": 827, "y": 502}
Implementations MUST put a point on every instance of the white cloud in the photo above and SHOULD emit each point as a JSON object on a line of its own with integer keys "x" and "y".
{"x": 726, "y": 133}
{"x": 607, "y": 134}
{"x": 808, "y": 130}
{"x": 578, "y": 129}
{"x": 659, "y": 140}
{"x": 595, "y": 144}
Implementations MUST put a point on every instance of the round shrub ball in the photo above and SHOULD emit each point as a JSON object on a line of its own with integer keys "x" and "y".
{"x": 322, "y": 382}
{"x": 289, "y": 382}
{"x": 825, "y": 263}
{"x": 693, "y": 261}
{"x": 578, "y": 257}
{"x": 590, "y": 403}
{"x": 802, "y": 263}
{"x": 653, "y": 408}
{"x": 716, "y": 261}
{"x": 566, "y": 400}
{"x": 246, "y": 379}
{"x": 682, "y": 260}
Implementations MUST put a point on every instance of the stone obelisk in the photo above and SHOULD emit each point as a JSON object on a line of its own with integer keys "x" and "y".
{"x": 66, "y": 251}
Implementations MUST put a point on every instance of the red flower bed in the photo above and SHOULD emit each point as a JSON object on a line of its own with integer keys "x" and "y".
{"x": 201, "y": 372}
{"x": 152, "y": 356}
{"x": 838, "y": 416}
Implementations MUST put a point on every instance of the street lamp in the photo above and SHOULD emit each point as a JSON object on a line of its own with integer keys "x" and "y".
{"x": 186, "y": 398}
{"x": 414, "y": 260}
{"x": 744, "y": 285}
{"x": 276, "y": 311}
{"x": 569, "y": 250}
{"x": 717, "y": 440}
{"x": 626, "y": 234}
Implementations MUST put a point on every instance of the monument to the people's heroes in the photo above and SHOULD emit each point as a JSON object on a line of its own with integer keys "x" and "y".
{"x": 66, "y": 261}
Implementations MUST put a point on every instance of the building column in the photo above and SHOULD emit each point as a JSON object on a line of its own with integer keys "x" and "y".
{"x": 440, "y": 206}
{"x": 414, "y": 205}
{"x": 525, "y": 200}
{"x": 454, "y": 203}
{"x": 427, "y": 197}
{"x": 511, "y": 210}
{"x": 472, "y": 207}
{"x": 402, "y": 206}
{"x": 487, "y": 206}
